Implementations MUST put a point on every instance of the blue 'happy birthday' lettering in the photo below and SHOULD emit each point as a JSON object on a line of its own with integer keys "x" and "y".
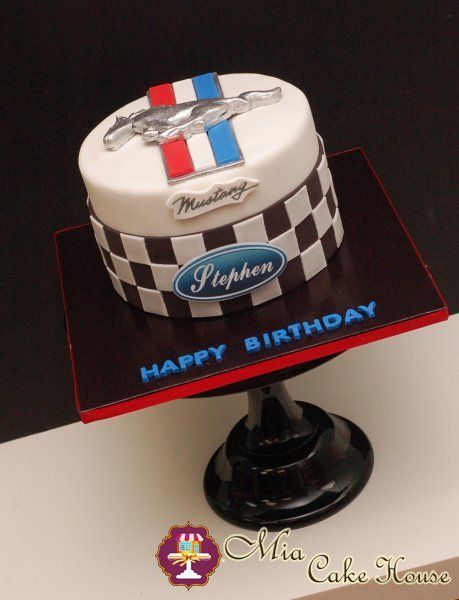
{"x": 291, "y": 333}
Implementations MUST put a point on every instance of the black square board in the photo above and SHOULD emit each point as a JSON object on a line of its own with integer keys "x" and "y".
{"x": 110, "y": 340}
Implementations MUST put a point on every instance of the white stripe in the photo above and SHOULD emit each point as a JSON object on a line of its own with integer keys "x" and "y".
{"x": 182, "y": 537}
{"x": 184, "y": 91}
{"x": 199, "y": 537}
{"x": 201, "y": 152}
{"x": 198, "y": 145}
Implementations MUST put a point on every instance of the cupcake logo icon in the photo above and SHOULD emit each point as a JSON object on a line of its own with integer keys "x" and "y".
{"x": 188, "y": 555}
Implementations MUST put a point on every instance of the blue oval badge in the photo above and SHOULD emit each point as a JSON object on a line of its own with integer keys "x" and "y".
{"x": 229, "y": 272}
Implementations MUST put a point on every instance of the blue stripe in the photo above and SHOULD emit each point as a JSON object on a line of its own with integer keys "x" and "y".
{"x": 205, "y": 87}
{"x": 221, "y": 136}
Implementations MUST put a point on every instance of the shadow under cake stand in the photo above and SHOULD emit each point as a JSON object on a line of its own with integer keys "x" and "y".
{"x": 287, "y": 463}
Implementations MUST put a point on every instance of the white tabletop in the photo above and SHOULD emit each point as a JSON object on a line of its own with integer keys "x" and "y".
{"x": 84, "y": 507}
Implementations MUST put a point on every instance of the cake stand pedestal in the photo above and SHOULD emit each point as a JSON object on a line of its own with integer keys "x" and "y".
{"x": 286, "y": 463}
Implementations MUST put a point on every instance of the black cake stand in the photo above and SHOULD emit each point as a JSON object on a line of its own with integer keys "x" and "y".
{"x": 287, "y": 463}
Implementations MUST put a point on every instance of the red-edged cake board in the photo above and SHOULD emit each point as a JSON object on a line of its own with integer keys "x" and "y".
{"x": 110, "y": 340}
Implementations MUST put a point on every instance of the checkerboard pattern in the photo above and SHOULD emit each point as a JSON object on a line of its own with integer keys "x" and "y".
{"x": 306, "y": 225}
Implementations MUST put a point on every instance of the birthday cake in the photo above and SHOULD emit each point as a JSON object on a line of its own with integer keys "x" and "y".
{"x": 211, "y": 195}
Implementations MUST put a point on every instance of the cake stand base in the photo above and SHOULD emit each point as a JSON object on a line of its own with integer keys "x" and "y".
{"x": 286, "y": 464}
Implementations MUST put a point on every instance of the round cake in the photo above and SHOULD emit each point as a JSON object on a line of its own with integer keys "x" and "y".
{"x": 211, "y": 195}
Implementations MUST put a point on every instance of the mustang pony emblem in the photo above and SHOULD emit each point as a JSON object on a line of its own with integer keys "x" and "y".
{"x": 163, "y": 124}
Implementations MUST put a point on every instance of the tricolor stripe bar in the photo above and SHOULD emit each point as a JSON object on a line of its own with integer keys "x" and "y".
{"x": 221, "y": 136}
{"x": 198, "y": 144}
{"x": 176, "y": 154}
{"x": 201, "y": 153}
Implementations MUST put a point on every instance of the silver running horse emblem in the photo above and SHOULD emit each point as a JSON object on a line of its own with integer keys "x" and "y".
{"x": 163, "y": 124}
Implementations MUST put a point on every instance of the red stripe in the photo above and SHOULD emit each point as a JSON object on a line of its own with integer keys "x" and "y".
{"x": 176, "y": 154}
{"x": 162, "y": 94}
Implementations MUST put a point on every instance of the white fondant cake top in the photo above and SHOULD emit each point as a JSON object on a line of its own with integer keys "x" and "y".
{"x": 129, "y": 188}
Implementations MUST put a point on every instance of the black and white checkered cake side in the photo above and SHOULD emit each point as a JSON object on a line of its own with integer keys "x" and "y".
{"x": 306, "y": 225}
